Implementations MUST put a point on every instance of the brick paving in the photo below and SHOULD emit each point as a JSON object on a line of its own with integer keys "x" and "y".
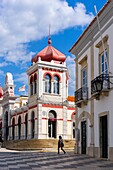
{"x": 29, "y": 160}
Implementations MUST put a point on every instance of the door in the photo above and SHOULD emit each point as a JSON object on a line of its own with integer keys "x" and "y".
{"x": 52, "y": 128}
{"x": 103, "y": 137}
{"x": 52, "y": 124}
{"x": 83, "y": 137}
{"x": 13, "y": 129}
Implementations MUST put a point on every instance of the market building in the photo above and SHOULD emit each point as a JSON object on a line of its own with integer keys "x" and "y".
{"x": 47, "y": 111}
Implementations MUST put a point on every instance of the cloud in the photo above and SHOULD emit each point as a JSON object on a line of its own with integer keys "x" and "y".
{"x": 21, "y": 78}
{"x": 23, "y": 21}
{"x": 2, "y": 73}
{"x": 19, "y": 54}
{"x": 3, "y": 64}
{"x": 71, "y": 68}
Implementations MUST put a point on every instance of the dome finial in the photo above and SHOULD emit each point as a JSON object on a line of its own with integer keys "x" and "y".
{"x": 49, "y": 37}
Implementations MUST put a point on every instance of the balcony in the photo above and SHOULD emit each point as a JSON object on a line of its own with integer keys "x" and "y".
{"x": 81, "y": 96}
{"x": 101, "y": 85}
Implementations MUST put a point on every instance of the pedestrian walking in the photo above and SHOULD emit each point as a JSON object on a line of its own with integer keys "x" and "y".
{"x": 60, "y": 145}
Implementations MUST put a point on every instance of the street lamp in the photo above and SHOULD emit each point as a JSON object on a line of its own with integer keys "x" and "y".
{"x": 98, "y": 83}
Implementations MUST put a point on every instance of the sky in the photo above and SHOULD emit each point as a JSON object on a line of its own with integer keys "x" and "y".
{"x": 24, "y": 30}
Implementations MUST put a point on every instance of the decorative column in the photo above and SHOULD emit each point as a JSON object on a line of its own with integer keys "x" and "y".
{"x": 91, "y": 150}
{"x": 9, "y": 125}
{"x": 52, "y": 90}
{"x": 64, "y": 121}
{"x": 3, "y": 125}
{"x": 16, "y": 127}
{"x": 22, "y": 125}
{"x": 39, "y": 121}
{"x": 39, "y": 103}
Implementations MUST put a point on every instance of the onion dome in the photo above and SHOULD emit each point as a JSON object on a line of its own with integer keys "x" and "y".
{"x": 49, "y": 53}
{"x": 1, "y": 92}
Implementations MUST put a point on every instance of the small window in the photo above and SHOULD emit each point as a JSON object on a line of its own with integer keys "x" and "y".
{"x": 104, "y": 63}
{"x": 35, "y": 83}
{"x": 56, "y": 85}
{"x": 47, "y": 83}
{"x": 84, "y": 77}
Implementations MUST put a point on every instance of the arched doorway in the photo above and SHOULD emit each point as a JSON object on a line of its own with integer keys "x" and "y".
{"x": 26, "y": 125}
{"x": 83, "y": 119}
{"x": 32, "y": 124}
{"x": 13, "y": 129}
{"x": 6, "y": 126}
{"x": 19, "y": 127}
{"x": 52, "y": 124}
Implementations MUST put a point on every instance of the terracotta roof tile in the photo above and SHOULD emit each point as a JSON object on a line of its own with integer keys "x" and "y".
{"x": 71, "y": 98}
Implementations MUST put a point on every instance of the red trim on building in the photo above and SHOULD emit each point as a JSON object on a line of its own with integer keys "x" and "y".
{"x": 72, "y": 115}
{"x": 19, "y": 113}
{"x": 60, "y": 119}
{"x": 46, "y": 74}
{"x": 53, "y": 119}
{"x": 52, "y": 70}
{"x": 69, "y": 120}
{"x": 52, "y": 106}
{"x": 31, "y": 79}
{"x": 44, "y": 118}
{"x": 71, "y": 108}
{"x": 25, "y": 111}
{"x": 56, "y": 74}
{"x": 32, "y": 107}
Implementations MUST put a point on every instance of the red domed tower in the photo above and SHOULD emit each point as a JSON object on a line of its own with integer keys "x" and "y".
{"x": 48, "y": 90}
{"x": 49, "y": 53}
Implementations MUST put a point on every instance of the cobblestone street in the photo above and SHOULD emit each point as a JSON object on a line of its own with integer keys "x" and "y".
{"x": 12, "y": 160}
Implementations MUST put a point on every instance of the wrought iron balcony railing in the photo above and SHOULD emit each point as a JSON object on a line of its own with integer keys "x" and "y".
{"x": 81, "y": 94}
{"x": 102, "y": 82}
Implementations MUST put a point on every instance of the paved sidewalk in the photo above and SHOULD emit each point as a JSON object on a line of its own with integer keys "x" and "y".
{"x": 7, "y": 150}
{"x": 15, "y": 160}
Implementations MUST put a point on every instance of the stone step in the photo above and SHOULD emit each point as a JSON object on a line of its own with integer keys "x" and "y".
{"x": 38, "y": 144}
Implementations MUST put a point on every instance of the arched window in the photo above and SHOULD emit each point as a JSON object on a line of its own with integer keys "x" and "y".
{"x": 56, "y": 85}
{"x": 47, "y": 83}
{"x": 6, "y": 126}
{"x": 13, "y": 129}
{"x": 19, "y": 127}
{"x": 32, "y": 124}
{"x": 35, "y": 83}
{"x": 26, "y": 125}
{"x": 31, "y": 85}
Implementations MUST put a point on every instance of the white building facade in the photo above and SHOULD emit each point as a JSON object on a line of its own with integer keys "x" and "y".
{"x": 94, "y": 86}
{"x": 48, "y": 111}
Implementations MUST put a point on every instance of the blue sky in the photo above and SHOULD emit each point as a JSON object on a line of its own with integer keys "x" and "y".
{"x": 24, "y": 27}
